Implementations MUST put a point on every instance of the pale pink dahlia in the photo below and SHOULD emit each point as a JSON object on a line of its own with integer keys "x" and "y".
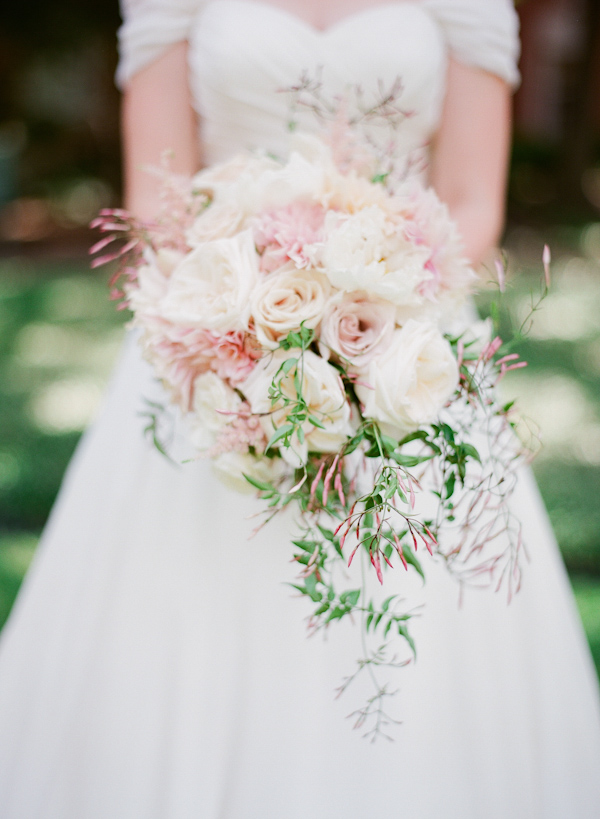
{"x": 283, "y": 234}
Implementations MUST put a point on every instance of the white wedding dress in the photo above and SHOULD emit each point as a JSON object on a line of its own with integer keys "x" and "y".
{"x": 156, "y": 666}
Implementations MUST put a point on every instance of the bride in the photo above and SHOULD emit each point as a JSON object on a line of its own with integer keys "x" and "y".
{"x": 155, "y": 665}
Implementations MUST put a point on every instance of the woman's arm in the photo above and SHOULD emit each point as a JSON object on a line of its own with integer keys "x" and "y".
{"x": 469, "y": 161}
{"x": 157, "y": 115}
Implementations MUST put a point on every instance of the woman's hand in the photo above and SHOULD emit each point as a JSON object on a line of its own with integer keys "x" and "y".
{"x": 470, "y": 155}
{"x": 158, "y": 116}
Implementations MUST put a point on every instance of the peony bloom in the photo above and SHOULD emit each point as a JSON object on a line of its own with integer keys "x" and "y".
{"x": 410, "y": 383}
{"x": 210, "y": 288}
{"x": 285, "y": 234}
{"x": 351, "y": 193}
{"x": 357, "y": 327}
{"x": 428, "y": 224}
{"x": 367, "y": 251}
{"x": 219, "y": 181}
{"x": 322, "y": 390}
{"x": 284, "y": 300}
{"x": 296, "y": 180}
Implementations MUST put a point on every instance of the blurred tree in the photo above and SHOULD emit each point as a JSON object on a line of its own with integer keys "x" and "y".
{"x": 579, "y": 137}
{"x": 56, "y": 66}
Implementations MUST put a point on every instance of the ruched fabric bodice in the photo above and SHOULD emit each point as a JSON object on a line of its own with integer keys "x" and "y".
{"x": 243, "y": 53}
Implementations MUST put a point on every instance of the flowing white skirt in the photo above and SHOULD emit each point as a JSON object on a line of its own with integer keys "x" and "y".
{"x": 156, "y": 666}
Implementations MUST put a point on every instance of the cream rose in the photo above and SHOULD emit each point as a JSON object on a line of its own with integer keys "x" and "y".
{"x": 367, "y": 251}
{"x": 322, "y": 390}
{"x": 220, "y": 220}
{"x": 218, "y": 180}
{"x": 409, "y": 384}
{"x": 297, "y": 180}
{"x": 213, "y": 405}
{"x": 210, "y": 289}
{"x": 152, "y": 285}
{"x": 357, "y": 327}
{"x": 285, "y": 299}
{"x": 230, "y": 468}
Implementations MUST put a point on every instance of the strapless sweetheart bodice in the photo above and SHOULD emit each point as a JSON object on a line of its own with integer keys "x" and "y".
{"x": 244, "y": 53}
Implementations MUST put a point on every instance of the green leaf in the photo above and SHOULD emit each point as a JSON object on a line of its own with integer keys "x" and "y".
{"x": 388, "y": 445}
{"x": 379, "y": 178}
{"x": 411, "y": 558}
{"x": 265, "y": 487}
{"x": 311, "y": 587}
{"x": 287, "y": 365}
{"x": 386, "y": 603}
{"x": 315, "y": 422}
{"x": 280, "y": 433}
{"x": 409, "y": 460}
{"x": 450, "y": 485}
{"x": 403, "y": 632}
{"x": 305, "y": 545}
{"x": 471, "y": 452}
{"x": 352, "y": 597}
{"x": 352, "y": 444}
{"x": 448, "y": 433}
{"x": 419, "y": 434}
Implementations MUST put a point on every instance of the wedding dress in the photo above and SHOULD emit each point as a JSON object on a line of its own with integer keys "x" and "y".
{"x": 156, "y": 665}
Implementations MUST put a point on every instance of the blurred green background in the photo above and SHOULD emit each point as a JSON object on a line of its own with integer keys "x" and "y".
{"x": 59, "y": 334}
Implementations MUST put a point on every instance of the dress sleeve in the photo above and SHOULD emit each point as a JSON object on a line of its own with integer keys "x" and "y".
{"x": 149, "y": 27}
{"x": 481, "y": 33}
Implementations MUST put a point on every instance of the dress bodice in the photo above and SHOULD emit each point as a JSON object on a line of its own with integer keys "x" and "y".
{"x": 243, "y": 52}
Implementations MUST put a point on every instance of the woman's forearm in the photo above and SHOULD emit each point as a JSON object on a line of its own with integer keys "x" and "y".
{"x": 480, "y": 228}
{"x": 470, "y": 155}
{"x": 158, "y": 117}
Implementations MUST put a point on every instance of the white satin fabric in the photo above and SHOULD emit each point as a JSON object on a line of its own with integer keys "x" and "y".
{"x": 156, "y": 666}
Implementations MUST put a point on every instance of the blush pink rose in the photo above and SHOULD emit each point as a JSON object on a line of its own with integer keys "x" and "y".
{"x": 357, "y": 327}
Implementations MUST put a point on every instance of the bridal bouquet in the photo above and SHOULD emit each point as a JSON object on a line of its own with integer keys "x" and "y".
{"x": 307, "y": 317}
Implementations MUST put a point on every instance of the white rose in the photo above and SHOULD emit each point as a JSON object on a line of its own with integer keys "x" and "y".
{"x": 357, "y": 327}
{"x": 279, "y": 186}
{"x": 367, "y": 251}
{"x": 146, "y": 295}
{"x": 323, "y": 391}
{"x": 210, "y": 289}
{"x": 219, "y": 220}
{"x": 213, "y": 407}
{"x": 231, "y": 467}
{"x": 410, "y": 383}
{"x": 284, "y": 300}
{"x": 219, "y": 180}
